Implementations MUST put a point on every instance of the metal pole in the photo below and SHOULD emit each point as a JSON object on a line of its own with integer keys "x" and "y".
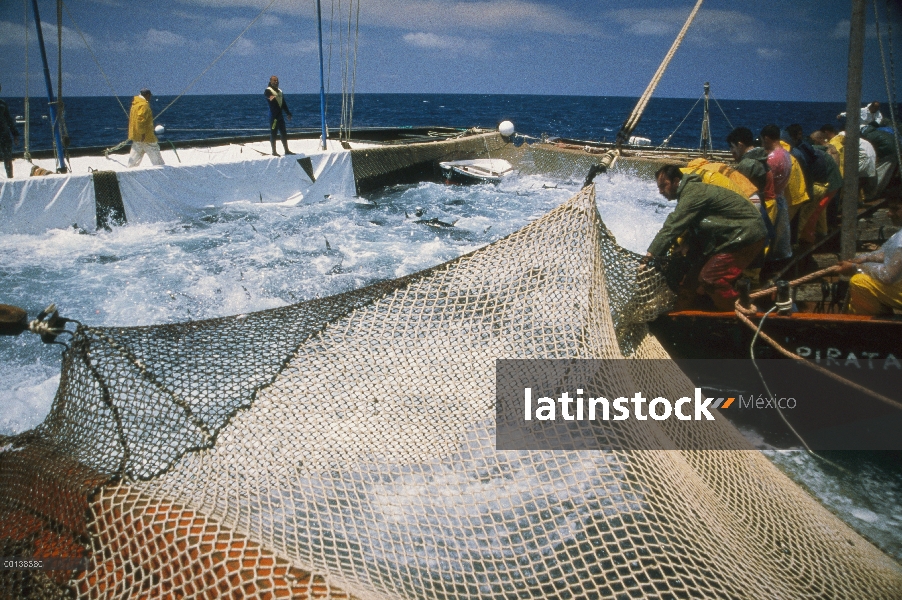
{"x": 322, "y": 82}
{"x": 58, "y": 142}
{"x": 849, "y": 232}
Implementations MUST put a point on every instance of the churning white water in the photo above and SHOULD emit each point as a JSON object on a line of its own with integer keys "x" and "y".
{"x": 248, "y": 257}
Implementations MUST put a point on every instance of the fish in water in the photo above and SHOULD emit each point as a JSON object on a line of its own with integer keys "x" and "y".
{"x": 435, "y": 222}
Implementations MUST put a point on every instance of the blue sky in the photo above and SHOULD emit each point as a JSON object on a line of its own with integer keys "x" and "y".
{"x": 769, "y": 49}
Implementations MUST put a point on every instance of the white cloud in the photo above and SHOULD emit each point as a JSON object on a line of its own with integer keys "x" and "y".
{"x": 13, "y": 34}
{"x": 769, "y": 53}
{"x": 433, "y": 41}
{"x": 238, "y": 24}
{"x": 708, "y": 27}
{"x": 649, "y": 27}
{"x": 244, "y": 47}
{"x": 842, "y": 30}
{"x": 161, "y": 37}
{"x": 507, "y": 16}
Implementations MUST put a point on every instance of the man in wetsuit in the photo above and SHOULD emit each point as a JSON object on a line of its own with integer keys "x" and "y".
{"x": 278, "y": 110}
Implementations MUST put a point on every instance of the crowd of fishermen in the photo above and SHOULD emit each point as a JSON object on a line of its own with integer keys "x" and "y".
{"x": 782, "y": 195}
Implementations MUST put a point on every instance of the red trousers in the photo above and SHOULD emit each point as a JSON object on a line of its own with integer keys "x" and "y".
{"x": 716, "y": 277}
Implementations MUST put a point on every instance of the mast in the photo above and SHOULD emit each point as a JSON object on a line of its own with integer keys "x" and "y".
{"x": 322, "y": 84}
{"x": 57, "y": 140}
{"x": 849, "y": 231}
{"x": 630, "y": 124}
{"x": 706, "y": 125}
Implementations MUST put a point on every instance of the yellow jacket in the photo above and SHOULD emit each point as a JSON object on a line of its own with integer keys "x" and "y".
{"x": 795, "y": 191}
{"x": 140, "y": 122}
{"x": 720, "y": 174}
{"x": 838, "y": 142}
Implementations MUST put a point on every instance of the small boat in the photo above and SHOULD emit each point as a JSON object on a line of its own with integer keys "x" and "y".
{"x": 481, "y": 170}
{"x": 20, "y": 120}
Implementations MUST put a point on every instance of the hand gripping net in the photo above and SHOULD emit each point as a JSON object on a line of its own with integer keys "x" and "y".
{"x": 345, "y": 446}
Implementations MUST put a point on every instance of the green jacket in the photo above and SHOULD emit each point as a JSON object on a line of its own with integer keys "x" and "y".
{"x": 883, "y": 142}
{"x": 715, "y": 219}
{"x": 754, "y": 166}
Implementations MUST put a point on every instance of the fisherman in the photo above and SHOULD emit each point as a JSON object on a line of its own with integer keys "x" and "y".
{"x": 876, "y": 288}
{"x": 140, "y": 131}
{"x": 822, "y": 178}
{"x": 869, "y": 114}
{"x": 751, "y": 162}
{"x": 9, "y": 136}
{"x": 278, "y": 109}
{"x": 721, "y": 231}
{"x": 779, "y": 161}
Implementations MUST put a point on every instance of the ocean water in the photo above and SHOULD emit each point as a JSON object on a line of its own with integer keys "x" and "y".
{"x": 248, "y": 257}
{"x": 101, "y": 121}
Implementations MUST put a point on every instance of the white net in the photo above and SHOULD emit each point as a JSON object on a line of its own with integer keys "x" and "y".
{"x": 346, "y": 446}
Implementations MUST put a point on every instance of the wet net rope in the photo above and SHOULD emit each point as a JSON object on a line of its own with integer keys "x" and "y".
{"x": 345, "y": 446}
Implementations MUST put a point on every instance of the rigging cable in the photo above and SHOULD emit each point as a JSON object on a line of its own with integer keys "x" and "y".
{"x": 889, "y": 92}
{"x": 329, "y": 68}
{"x": 667, "y": 139}
{"x": 344, "y": 56}
{"x": 892, "y": 66}
{"x": 215, "y": 60}
{"x": 354, "y": 75}
{"x": 60, "y": 106}
{"x": 722, "y": 112}
{"x": 27, "y": 142}
{"x": 634, "y": 117}
{"x": 96, "y": 62}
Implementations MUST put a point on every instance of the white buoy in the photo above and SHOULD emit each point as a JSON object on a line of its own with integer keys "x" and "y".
{"x": 506, "y": 128}
{"x": 159, "y": 130}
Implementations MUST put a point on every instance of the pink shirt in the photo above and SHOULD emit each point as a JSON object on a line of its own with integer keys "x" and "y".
{"x": 780, "y": 163}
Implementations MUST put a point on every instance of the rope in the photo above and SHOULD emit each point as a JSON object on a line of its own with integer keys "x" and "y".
{"x": 722, "y": 112}
{"x": 118, "y": 146}
{"x": 345, "y": 55}
{"x": 27, "y": 133}
{"x": 667, "y": 139}
{"x": 742, "y": 312}
{"x": 892, "y": 66}
{"x": 889, "y": 93}
{"x": 215, "y": 60}
{"x": 770, "y": 394}
{"x": 329, "y": 68}
{"x": 60, "y": 107}
{"x": 96, "y": 62}
{"x": 354, "y": 75}
{"x": 633, "y": 119}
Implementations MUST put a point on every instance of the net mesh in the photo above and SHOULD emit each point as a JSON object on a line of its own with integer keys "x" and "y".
{"x": 345, "y": 447}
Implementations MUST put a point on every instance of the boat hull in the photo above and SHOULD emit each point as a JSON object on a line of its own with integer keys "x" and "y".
{"x": 701, "y": 334}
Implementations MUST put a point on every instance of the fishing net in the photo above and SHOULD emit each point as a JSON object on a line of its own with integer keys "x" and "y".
{"x": 346, "y": 447}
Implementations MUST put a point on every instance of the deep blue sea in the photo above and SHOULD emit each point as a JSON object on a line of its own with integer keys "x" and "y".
{"x": 96, "y": 121}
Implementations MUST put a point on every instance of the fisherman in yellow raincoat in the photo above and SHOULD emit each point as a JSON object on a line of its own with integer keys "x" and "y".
{"x": 876, "y": 288}
{"x": 140, "y": 131}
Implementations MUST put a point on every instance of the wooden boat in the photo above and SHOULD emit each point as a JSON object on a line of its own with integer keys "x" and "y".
{"x": 480, "y": 170}
{"x": 851, "y": 340}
